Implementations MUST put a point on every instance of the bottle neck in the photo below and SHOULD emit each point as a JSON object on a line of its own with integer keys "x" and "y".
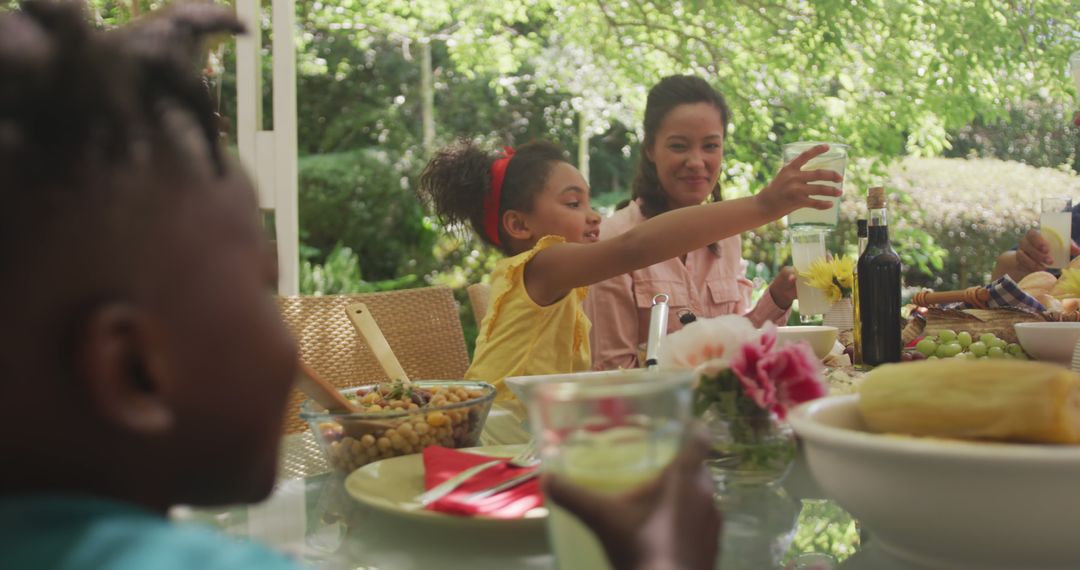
{"x": 878, "y": 226}
{"x": 878, "y": 217}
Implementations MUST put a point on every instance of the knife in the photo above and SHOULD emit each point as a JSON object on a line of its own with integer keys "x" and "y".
{"x": 508, "y": 484}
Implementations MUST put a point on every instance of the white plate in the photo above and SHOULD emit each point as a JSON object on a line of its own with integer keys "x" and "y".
{"x": 391, "y": 484}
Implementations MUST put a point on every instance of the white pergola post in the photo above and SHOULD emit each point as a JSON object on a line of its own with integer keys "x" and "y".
{"x": 271, "y": 156}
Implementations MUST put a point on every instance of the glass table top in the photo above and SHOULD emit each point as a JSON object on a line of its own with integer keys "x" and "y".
{"x": 311, "y": 518}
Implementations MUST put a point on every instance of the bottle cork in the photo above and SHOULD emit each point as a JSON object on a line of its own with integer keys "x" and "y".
{"x": 876, "y": 198}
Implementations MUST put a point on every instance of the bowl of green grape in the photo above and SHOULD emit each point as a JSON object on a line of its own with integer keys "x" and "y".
{"x": 963, "y": 345}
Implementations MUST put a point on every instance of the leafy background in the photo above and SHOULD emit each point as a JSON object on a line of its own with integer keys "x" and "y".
{"x": 919, "y": 89}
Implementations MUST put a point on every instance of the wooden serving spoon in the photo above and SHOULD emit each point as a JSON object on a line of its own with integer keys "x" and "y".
{"x": 365, "y": 324}
{"x": 318, "y": 389}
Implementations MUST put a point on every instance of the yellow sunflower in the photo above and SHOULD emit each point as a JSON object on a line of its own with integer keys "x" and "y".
{"x": 821, "y": 276}
{"x": 1068, "y": 287}
{"x": 844, "y": 272}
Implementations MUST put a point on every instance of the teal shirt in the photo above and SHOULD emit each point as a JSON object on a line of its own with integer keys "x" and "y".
{"x": 84, "y": 533}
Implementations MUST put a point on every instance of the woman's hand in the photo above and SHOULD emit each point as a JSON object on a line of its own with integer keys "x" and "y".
{"x": 791, "y": 189}
{"x": 782, "y": 288}
{"x": 670, "y": 522}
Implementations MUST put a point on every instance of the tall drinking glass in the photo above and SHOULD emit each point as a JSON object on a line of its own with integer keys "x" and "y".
{"x": 1055, "y": 225}
{"x": 608, "y": 435}
{"x": 808, "y": 246}
{"x": 833, "y": 159}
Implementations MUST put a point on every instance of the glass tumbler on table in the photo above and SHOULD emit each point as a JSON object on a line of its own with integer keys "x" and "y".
{"x": 609, "y": 435}
{"x": 1055, "y": 225}
{"x": 808, "y": 246}
{"x": 834, "y": 159}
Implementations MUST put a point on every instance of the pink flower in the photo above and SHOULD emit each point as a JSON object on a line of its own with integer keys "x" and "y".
{"x": 777, "y": 379}
{"x": 747, "y": 366}
{"x": 793, "y": 371}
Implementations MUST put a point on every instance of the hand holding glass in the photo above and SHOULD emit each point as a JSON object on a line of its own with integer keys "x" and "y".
{"x": 608, "y": 435}
{"x": 834, "y": 159}
{"x": 1055, "y": 225}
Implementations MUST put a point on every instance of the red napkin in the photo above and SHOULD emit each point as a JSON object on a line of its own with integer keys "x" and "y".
{"x": 441, "y": 463}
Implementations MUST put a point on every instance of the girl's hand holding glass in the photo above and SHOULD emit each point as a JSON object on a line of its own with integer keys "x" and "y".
{"x": 791, "y": 189}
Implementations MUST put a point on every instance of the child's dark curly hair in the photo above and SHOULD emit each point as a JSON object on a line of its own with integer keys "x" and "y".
{"x": 95, "y": 129}
{"x": 458, "y": 179}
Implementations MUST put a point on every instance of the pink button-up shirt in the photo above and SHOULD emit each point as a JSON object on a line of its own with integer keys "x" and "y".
{"x": 707, "y": 284}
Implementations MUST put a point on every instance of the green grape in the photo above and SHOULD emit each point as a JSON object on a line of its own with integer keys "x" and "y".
{"x": 978, "y": 348}
{"x": 927, "y": 346}
{"x": 1014, "y": 349}
{"x": 995, "y": 352}
{"x": 999, "y": 343}
{"x": 946, "y": 336}
{"x": 987, "y": 339}
{"x": 1023, "y": 356}
{"x": 932, "y": 358}
{"x": 1008, "y": 356}
{"x": 964, "y": 338}
{"x": 949, "y": 350}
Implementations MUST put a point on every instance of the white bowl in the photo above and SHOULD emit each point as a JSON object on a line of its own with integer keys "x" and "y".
{"x": 1053, "y": 342}
{"x": 820, "y": 338}
{"x": 945, "y": 503}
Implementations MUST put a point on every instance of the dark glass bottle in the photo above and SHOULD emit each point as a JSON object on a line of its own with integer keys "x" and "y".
{"x": 879, "y": 288}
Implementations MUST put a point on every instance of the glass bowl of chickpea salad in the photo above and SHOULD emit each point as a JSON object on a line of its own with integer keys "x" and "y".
{"x": 397, "y": 419}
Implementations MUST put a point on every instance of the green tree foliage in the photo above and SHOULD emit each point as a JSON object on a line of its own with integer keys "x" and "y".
{"x": 891, "y": 78}
{"x": 361, "y": 199}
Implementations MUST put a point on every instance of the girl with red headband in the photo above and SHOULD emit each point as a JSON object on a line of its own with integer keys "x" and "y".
{"x": 534, "y": 205}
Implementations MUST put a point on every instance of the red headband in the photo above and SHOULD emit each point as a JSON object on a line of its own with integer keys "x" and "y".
{"x": 492, "y": 202}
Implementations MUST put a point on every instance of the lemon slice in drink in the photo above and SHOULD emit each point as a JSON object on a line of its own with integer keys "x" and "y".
{"x": 1056, "y": 240}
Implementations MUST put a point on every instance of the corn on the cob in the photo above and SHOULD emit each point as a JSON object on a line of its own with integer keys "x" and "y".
{"x": 997, "y": 400}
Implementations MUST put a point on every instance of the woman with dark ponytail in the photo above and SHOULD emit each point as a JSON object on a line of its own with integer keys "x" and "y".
{"x": 534, "y": 206}
{"x": 682, "y": 153}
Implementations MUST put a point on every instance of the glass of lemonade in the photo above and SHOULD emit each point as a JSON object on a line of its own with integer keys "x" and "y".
{"x": 609, "y": 435}
{"x": 833, "y": 159}
{"x": 1055, "y": 225}
{"x": 808, "y": 246}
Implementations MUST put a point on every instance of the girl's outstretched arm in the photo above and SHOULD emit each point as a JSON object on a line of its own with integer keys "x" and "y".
{"x": 557, "y": 270}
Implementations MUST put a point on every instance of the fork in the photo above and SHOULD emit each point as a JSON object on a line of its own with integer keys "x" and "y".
{"x": 528, "y": 457}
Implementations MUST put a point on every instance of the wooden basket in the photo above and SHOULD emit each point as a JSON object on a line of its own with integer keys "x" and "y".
{"x": 978, "y": 321}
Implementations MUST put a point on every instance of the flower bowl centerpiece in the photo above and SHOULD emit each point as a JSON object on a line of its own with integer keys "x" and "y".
{"x": 745, "y": 385}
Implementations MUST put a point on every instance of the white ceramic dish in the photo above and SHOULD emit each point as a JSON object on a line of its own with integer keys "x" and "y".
{"x": 821, "y": 338}
{"x": 391, "y": 484}
{"x": 944, "y": 503}
{"x": 1053, "y": 342}
{"x": 522, "y": 386}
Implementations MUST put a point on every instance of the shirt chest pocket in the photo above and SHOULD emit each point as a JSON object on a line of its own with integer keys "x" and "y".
{"x": 645, "y": 290}
{"x": 725, "y": 292}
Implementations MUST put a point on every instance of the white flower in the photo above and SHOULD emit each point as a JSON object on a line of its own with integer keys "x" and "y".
{"x": 707, "y": 345}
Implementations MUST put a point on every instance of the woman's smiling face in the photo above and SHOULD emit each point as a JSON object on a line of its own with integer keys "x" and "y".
{"x": 688, "y": 151}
